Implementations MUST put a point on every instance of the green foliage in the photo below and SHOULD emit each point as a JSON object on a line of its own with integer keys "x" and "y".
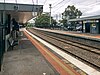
{"x": 64, "y": 21}
{"x": 70, "y": 13}
{"x": 29, "y": 25}
{"x": 44, "y": 21}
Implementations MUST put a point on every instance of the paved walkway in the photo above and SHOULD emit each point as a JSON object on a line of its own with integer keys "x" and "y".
{"x": 25, "y": 59}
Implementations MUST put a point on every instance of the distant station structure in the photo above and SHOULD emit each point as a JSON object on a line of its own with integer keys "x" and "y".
{"x": 89, "y": 24}
{"x": 21, "y": 13}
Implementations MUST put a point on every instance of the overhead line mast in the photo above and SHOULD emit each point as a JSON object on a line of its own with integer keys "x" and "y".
{"x": 50, "y": 12}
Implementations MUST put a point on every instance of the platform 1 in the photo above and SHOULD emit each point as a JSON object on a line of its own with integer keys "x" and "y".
{"x": 25, "y": 59}
{"x": 31, "y": 57}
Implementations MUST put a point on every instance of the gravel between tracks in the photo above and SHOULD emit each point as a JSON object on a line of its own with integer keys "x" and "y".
{"x": 84, "y": 54}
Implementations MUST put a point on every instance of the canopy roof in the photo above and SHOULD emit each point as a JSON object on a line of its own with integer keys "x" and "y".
{"x": 86, "y": 18}
{"x": 21, "y": 12}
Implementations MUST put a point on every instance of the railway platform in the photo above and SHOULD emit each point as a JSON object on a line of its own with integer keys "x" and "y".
{"x": 25, "y": 59}
{"x": 56, "y": 33}
{"x": 75, "y": 33}
{"x": 30, "y": 58}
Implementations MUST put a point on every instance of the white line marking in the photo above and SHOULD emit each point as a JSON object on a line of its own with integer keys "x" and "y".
{"x": 89, "y": 70}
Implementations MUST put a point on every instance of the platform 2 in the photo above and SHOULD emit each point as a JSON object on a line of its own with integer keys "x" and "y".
{"x": 25, "y": 59}
{"x": 75, "y": 33}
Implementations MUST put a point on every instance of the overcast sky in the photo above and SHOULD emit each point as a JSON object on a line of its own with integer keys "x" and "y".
{"x": 88, "y": 7}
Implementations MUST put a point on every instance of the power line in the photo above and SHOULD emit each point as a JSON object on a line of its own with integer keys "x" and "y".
{"x": 62, "y": 5}
{"x": 58, "y": 3}
{"x": 94, "y": 4}
{"x": 55, "y": 2}
{"x": 88, "y": 4}
{"x": 70, "y": 0}
{"x": 45, "y": 2}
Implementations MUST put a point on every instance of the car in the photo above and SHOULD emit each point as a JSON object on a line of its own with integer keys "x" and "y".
{"x": 79, "y": 28}
{"x": 21, "y": 26}
{"x": 70, "y": 28}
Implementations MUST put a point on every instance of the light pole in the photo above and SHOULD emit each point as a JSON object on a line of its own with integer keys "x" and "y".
{"x": 50, "y": 13}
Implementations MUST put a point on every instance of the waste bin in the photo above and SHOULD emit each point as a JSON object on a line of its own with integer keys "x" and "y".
{"x": 2, "y": 44}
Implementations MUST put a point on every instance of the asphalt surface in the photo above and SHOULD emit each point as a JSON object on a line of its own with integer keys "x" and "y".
{"x": 25, "y": 59}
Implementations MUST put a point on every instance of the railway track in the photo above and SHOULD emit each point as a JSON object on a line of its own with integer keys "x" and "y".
{"x": 73, "y": 43}
{"x": 89, "y": 55}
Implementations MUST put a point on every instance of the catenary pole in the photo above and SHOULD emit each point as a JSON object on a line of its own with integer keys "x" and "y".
{"x": 50, "y": 13}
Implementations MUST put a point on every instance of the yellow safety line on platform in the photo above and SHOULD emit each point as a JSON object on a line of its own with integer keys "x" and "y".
{"x": 62, "y": 65}
{"x": 69, "y": 70}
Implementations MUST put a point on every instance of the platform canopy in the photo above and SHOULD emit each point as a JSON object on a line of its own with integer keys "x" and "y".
{"x": 86, "y": 18}
{"x": 21, "y": 12}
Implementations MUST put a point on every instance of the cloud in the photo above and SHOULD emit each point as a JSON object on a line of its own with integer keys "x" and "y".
{"x": 88, "y": 7}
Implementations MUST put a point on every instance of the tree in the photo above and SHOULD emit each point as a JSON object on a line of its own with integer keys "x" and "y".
{"x": 70, "y": 13}
{"x": 29, "y": 24}
{"x": 64, "y": 22}
{"x": 43, "y": 21}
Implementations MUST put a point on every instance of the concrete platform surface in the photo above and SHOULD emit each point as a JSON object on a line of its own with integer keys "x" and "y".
{"x": 87, "y": 69}
{"x": 25, "y": 59}
{"x": 74, "y": 33}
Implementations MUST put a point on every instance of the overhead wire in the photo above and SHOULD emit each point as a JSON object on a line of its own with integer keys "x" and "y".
{"x": 58, "y": 3}
{"x": 55, "y": 2}
{"x": 97, "y": 2}
{"x": 88, "y": 4}
{"x": 62, "y": 5}
{"x": 94, "y": 4}
{"x": 45, "y": 2}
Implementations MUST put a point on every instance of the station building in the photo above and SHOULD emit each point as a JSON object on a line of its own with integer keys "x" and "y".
{"x": 89, "y": 24}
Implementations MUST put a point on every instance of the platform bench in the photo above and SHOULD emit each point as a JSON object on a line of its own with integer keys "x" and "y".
{"x": 12, "y": 42}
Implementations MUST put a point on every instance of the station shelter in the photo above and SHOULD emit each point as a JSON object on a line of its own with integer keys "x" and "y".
{"x": 89, "y": 24}
{"x": 21, "y": 13}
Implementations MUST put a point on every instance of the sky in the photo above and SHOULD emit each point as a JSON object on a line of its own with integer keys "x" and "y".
{"x": 88, "y": 7}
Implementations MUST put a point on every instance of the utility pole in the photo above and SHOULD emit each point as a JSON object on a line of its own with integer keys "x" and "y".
{"x": 50, "y": 12}
{"x": 37, "y": 2}
{"x": 57, "y": 17}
